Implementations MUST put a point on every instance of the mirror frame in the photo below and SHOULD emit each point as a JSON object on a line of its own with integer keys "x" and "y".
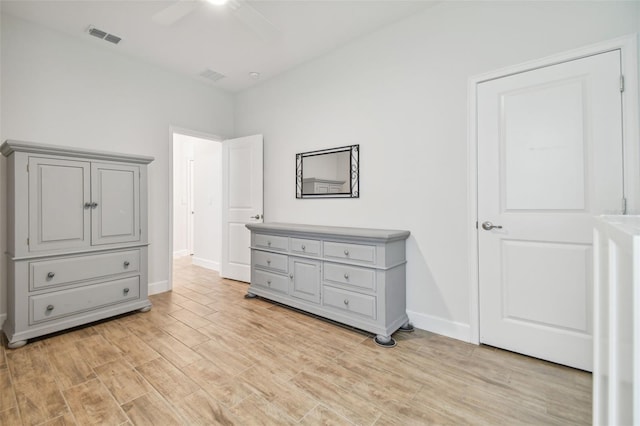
{"x": 354, "y": 172}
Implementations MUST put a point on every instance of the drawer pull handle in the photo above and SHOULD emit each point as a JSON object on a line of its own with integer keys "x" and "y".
{"x": 268, "y": 261}
{"x": 126, "y": 290}
{"x": 126, "y": 263}
{"x": 269, "y": 243}
{"x": 51, "y": 274}
{"x": 269, "y": 283}
{"x": 49, "y": 308}
{"x": 346, "y": 302}
{"x": 346, "y": 252}
{"x": 346, "y": 276}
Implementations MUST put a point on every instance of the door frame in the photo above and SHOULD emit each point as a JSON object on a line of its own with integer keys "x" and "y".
{"x": 186, "y": 132}
{"x": 628, "y": 47}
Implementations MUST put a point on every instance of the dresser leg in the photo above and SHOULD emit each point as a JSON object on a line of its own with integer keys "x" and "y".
{"x": 145, "y": 309}
{"x": 407, "y": 327}
{"x": 17, "y": 344}
{"x": 384, "y": 341}
{"x": 250, "y": 295}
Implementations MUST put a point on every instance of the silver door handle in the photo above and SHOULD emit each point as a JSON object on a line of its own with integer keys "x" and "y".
{"x": 488, "y": 226}
{"x": 258, "y": 216}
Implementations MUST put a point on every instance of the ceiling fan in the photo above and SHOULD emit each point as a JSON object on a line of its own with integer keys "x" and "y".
{"x": 240, "y": 9}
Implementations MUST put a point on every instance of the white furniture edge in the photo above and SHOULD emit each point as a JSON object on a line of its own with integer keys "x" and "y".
{"x": 10, "y": 146}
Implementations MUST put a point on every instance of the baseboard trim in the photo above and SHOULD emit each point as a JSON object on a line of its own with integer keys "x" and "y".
{"x": 445, "y": 327}
{"x": 204, "y": 263}
{"x": 180, "y": 253}
{"x": 158, "y": 287}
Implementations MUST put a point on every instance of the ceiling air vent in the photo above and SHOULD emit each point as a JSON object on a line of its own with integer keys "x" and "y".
{"x": 103, "y": 35}
{"x": 211, "y": 75}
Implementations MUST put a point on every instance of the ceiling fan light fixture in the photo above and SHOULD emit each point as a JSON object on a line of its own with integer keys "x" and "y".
{"x": 218, "y": 2}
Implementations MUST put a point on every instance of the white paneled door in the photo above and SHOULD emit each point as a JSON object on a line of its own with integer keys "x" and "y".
{"x": 549, "y": 160}
{"x": 242, "y": 203}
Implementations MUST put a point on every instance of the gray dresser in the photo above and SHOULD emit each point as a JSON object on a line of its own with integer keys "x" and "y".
{"x": 354, "y": 276}
{"x": 76, "y": 237}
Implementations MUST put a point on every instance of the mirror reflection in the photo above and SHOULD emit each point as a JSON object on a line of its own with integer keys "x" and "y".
{"x": 329, "y": 173}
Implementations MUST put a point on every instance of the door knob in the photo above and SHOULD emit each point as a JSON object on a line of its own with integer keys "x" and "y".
{"x": 488, "y": 226}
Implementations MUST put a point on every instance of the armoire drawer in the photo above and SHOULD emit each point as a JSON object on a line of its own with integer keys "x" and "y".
{"x": 50, "y": 306}
{"x": 272, "y": 242}
{"x": 279, "y": 283}
{"x": 350, "y": 275}
{"x": 268, "y": 260}
{"x": 62, "y": 271}
{"x": 345, "y": 251}
{"x": 349, "y": 301}
{"x": 307, "y": 247}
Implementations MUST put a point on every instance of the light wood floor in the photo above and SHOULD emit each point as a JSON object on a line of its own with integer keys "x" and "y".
{"x": 205, "y": 355}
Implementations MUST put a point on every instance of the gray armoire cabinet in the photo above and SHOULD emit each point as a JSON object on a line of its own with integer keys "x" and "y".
{"x": 76, "y": 237}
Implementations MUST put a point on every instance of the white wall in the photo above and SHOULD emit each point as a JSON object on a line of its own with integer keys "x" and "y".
{"x": 61, "y": 90}
{"x": 207, "y": 180}
{"x": 401, "y": 93}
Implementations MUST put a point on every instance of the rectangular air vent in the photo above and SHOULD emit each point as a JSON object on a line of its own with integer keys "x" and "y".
{"x": 103, "y": 35}
{"x": 211, "y": 75}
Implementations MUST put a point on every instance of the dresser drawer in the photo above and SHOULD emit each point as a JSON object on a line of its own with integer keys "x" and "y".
{"x": 46, "y": 307}
{"x": 350, "y": 275}
{"x": 345, "y": 251}
{"x": 268, "y": 260}
{"x": 308, "y": 247}
{"x": 349, "y": 301}
{"x": 272, "y": 242}
{"x": 49, "y": 273}
{"x": 279, "y": 283}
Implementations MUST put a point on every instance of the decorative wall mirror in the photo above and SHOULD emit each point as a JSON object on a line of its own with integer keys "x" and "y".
{"x": 329, "y": 173}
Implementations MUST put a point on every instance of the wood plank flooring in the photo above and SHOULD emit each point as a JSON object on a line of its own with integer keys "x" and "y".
{"x": 204, "y": 355}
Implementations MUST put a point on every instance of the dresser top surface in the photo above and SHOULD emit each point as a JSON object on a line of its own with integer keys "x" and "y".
{"x": 321, "y": 230}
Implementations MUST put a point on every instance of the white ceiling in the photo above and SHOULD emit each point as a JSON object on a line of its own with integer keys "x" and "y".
{"x": 215, "y": 37}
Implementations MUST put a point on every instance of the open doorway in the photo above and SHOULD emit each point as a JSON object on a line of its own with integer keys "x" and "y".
{"x": 197, "y": 198}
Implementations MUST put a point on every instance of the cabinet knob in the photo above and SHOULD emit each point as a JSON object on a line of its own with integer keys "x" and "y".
{"x": 269, "y": 243}
{"x": 291, "y": 276}
{"x": 51, "y": 274}
{"x": 87, "y": 205}
{"x": 49, "y": 308}
{"x": 346, "y": 252}
{"x": 268, "y": 261}
{"x": 94, "y": 205}
{"x": 126, "y": 290}
{"x": 126, "y": 263}
{"x": 346, "y": 302}
{"x": 303, "y": 248}
{"x": 346, "y": 276}
{"x": 269, "y": 283}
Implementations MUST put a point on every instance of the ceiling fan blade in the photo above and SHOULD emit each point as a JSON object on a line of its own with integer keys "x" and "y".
{"x": 175, "y": 12}
{"x": 253, "y": 19}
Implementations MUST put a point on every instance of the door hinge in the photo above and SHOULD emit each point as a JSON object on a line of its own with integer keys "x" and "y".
{"x": 27, "y": 241}
{"x": 624, "y": 205}
{"x": 622, "y": 83}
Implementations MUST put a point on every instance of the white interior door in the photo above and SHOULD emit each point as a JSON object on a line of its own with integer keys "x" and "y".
{"x": 190, "y": 206}
{"x": 242, "y": 203}
{"x": 549, "y": 160}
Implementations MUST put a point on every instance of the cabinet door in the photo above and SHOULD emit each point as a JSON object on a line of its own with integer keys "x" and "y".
{"x": 115, "y": 192}
{"x": 304, "y": 275}
{"x": 58, "y": 190}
